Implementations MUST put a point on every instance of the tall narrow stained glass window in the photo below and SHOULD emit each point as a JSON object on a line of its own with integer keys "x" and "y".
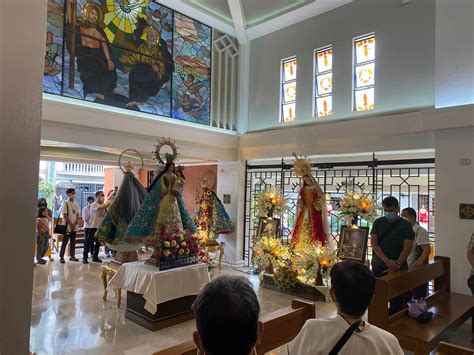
{"x": 288, "y": 90}
{"x": 323, "y": 82}
{"x": 364, "y": 73}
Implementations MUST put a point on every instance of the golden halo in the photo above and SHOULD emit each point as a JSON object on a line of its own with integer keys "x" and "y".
{"x": 301, "y": 165}
{"x": 88, "y": 7}
{"x": 129, "y": 166}
{"x": 170, "y": 158}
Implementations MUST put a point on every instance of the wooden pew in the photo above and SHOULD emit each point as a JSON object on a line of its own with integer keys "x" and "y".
{"x": 279, "y": 328}
{"x": 451, "y": 349}
{"x": 450, "y": 309}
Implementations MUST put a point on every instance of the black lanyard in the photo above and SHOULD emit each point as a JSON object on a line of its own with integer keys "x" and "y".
{"x": 345, "y": 337}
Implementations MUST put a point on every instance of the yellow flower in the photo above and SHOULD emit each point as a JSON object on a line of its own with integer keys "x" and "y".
{"x": 181, "y": 251}
{"x": 166, "y": 252}
{"x": 166, "y": 244}
{"x": 173, "y": 243}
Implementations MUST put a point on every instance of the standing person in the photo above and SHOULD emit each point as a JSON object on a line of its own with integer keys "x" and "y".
{"x": 97, "y": 213}
{"x": 42, "y": 234}
{"x": 71, "y": 217}
{"x": 470, "y": 257}
{"x": 86, "y": 217}
{"x": 110, "y": 198}
{"x": 392, "y": 241}
{"x": 352, "y": 291}
{"x": 42, "y": 203}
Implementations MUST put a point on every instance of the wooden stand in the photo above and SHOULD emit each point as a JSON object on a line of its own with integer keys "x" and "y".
{"x": 124, "y": 257}
{"x": 167, "y": 313}
{"x": 301, "y": 290}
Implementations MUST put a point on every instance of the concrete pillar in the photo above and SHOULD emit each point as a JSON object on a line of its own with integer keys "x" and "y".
{"x": 22, "y": 46}
{"x": 454, "y": 185}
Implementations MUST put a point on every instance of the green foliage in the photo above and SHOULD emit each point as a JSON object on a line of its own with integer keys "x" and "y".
{"x": 47, "y": 190}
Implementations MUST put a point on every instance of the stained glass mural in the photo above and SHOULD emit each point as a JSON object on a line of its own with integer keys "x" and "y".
{"x": 192, "y": 77}
{"x": 129, "y": 54}
{"x": 289, "y": 70}
{"x": 52, "y": 73}
{"x": 364, "y": 99}
{"x": 289, "y": 112}
{"x": 323, "y": 82}
{"x": 365, "y": 50}
{"x": 289, "y": 91}
{"x": 365, "y": 75}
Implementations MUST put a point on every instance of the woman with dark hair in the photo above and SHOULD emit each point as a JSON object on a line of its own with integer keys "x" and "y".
{"x": 43, "y": 203}
{"x": 42, "y": 234}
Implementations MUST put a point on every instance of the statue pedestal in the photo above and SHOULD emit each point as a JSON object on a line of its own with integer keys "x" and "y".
{"x": 124, "y": 257}
{"x": 301, "y": 290}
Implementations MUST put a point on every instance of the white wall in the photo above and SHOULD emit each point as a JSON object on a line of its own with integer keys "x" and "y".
{"x": 22, "y": 43}
{"x": 454, "y": 185}
{"x": 454, "y": 52}
{"x": 228, "y": 183}
{"x": 405, "y": 65}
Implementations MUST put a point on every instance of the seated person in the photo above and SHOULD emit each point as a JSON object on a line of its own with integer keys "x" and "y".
{"x": 352, "y": 291}
{"x": 227, "y": 312}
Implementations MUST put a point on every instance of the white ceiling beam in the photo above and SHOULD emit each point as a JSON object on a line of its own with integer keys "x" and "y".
{"x": 292, "y": 17}
{"x": 237, "y": 12}
{"x": 201, "y": 16}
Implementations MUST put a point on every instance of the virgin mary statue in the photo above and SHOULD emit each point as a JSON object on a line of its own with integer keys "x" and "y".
{"x": 311, "y": 222}
{"x": 163, "y": 211}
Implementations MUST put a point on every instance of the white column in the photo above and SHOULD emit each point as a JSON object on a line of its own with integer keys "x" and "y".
{"x": 454, "y": 185}
{"x": 22, "y": 46}
{"x": 228, "y": 183}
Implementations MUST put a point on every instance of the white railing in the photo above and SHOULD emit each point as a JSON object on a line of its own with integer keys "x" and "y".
{"x": 83, "y": 168}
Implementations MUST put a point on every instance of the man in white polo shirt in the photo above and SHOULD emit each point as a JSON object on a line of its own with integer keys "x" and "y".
{"x": 97, "y": 213}
{"x": 352, "y": 291}
{"x": 71, "y": 217}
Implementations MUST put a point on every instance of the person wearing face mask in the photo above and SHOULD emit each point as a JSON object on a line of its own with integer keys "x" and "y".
{"x": 97, "y": 214}
{"x": 71, "y": 217}
{"x": 392, "y": 242}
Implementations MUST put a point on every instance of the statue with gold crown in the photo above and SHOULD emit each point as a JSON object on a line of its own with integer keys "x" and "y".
{"x": 311, "y": 222}
{"x": 163, "y": 221}
{"x": 210, "y": 216}
{"x": 125, "y": 205}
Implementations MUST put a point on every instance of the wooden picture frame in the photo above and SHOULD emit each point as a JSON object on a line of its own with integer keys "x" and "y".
{"x": 353, "y": 243}
{"x": 268, "y": 225}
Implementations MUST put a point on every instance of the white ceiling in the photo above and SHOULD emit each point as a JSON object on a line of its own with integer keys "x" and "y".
{"x": 250, "y": 19}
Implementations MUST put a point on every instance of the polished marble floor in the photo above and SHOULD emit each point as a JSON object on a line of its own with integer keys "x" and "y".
{"x": 70, "y": 317}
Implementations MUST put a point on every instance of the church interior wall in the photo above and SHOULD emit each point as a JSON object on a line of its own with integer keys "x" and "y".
{"x": 405, "y": 63}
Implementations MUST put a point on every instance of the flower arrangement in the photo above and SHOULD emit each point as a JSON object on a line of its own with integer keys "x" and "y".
{"x": 269, "y": 250}
{"x": 315, "y": 262}
{"x": 286, "y": 277}
{"x": 354, "y": 205}
{"x": 270, "y": 202}
{"x": 176, "y": 243}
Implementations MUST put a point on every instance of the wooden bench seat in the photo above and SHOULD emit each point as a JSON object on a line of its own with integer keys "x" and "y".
{"x": 279, "y": 327}
{"x": 451, "y": 349}
{"x": 450, "y": 309}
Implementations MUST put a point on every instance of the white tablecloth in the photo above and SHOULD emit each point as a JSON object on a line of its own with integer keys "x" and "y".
{"x": 160, "y": 286}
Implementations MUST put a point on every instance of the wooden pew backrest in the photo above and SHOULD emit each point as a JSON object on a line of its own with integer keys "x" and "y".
{"x": 279, "y": 328}
{"x": 451, "y": 349}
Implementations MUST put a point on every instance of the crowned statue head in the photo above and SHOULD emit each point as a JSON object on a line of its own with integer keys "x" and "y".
{"x": 302, "y": 168}
{"x": 168, "y": 159}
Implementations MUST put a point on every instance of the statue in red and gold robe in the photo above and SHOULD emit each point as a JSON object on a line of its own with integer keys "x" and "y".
{"x": 311, "y": 217}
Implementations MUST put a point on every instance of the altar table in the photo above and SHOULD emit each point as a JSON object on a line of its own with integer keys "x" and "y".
{"x": 158, "y": 299}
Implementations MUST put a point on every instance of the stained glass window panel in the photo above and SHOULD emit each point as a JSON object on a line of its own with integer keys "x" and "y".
{"x": 324, "y": 106}
{"x": 289, "y": 112}
{"x": 324, "y": 83}
{"x": 324, "y": 60}
{"x": 289, "y": 92}
{"x": 365, "y": 75}
{"x": 364, "y": 100}
{"x": 289, "y": 70}
{"x": 365, "y": 50}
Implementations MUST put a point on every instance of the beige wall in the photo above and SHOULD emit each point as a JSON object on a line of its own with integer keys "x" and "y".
{"x": 22, "y": 42}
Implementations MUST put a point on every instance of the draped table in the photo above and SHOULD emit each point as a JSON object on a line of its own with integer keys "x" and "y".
{"x": 158, "y": 299}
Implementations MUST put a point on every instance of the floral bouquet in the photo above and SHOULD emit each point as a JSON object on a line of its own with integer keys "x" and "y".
{"x": 354, "y": 205}
{"x": 315, "y": 262}
{"x": 176, "y": 243}
{"x": 270, "y": 202}
{"x": 269, "y": 250}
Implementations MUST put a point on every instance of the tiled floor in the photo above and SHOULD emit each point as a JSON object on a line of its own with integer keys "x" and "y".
{"x": 69, "y": 316}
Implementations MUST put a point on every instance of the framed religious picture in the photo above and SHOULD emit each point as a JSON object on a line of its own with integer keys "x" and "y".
{"x": 353, "y": 243}
{"x": 267, "y": 226}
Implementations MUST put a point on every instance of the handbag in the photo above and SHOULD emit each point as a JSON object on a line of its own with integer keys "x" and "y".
{"x": 418, "y": 309}
{"x": 345, "y": 337}
{"x": 61, "y": 228}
